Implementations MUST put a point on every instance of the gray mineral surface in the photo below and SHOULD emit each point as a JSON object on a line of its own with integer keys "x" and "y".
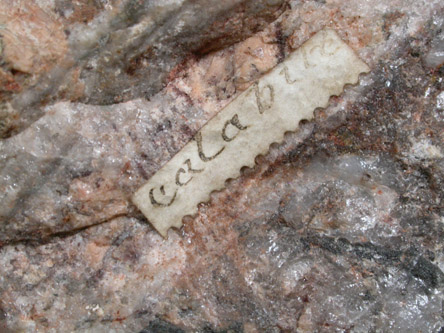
{"x": 340, "y": 228}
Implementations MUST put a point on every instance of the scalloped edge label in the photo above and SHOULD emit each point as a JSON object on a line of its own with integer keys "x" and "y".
{"x": 247, "y": 127}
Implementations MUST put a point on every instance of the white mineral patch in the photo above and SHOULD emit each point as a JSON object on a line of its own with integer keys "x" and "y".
{"x": 424, "y": 149}
{"x": 246, "y": 128}
{"x": 440, "y": 101}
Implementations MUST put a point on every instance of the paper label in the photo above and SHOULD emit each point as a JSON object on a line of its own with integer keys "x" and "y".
{"x": 247, "y": 127}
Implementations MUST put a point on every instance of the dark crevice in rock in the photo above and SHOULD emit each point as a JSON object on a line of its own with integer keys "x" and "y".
{"x": 161, "y": 326}
{"x": 411, "y": 260}
{"x": 40, "y": 240}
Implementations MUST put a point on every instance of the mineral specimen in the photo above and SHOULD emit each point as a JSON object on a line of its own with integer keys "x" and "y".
{"x": 338, "y": 228}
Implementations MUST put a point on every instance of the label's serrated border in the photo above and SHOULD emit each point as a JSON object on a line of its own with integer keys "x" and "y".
{"x": 247, "y": 127}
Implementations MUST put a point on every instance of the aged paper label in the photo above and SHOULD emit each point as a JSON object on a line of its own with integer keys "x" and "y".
{"x": 247, "y": 126}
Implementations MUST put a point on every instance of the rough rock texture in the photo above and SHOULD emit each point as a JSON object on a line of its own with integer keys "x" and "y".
{"x": 339, "y": 228}
{"x": 105, "y": 52}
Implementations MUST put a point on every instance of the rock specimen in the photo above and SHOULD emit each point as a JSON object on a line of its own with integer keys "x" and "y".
{"x": 339, "y": 228}
{"x": 103, "y": 52}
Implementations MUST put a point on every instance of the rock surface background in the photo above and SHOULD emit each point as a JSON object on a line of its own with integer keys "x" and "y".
{"x": 339, "y": 228}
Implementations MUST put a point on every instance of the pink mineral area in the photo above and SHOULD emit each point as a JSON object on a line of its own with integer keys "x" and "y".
{"x": 33, "y": 40}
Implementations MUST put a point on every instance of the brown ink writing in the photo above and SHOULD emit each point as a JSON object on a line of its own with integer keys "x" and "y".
{"x": 183, "y": 171}
{"x": 202, "y": 156}
{"x": 156, "y": 203}
{"x": 235, "y": 122}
